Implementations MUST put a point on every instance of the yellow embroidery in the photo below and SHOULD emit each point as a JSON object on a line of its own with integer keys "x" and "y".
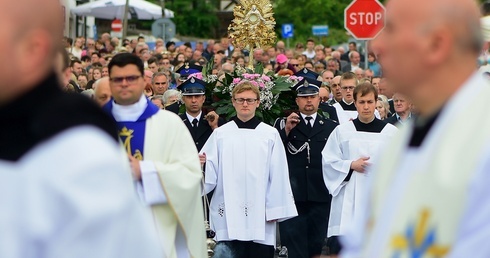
{"x": 419, "y": 241}
{"x": 128, "y": 135}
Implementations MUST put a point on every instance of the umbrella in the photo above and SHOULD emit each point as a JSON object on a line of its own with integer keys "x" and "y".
{"x": 114, "y": 9}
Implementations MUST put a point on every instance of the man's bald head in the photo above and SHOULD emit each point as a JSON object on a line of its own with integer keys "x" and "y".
{"x": 30, "y": 39}
{"x": 425, "y": 41}
{"x": 102, "y": 91}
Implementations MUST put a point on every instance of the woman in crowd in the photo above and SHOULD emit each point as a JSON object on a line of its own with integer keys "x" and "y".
{"x": 383, "y": 107}
{"x": 373, "y": 65}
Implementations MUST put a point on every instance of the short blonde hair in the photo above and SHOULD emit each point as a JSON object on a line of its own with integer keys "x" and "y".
{"x": 245, "y": 86}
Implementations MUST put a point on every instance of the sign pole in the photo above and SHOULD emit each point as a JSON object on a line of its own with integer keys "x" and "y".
{"x": 125, "y": 20}
{"x": 287, "y": 43}
{"x": 366, "y": 55}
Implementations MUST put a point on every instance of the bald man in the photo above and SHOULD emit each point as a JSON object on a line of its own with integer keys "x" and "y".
{"x": 429, "y": 194}
{"x": 102, "y": 91}
{"x": 65, "y": 184}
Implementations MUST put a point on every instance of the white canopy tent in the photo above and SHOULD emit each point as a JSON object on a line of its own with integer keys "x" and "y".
{"x": 114, "y": 9}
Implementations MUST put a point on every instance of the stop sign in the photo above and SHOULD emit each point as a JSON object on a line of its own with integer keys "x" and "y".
{"x": 116, "y": 25}
{"x": 364, "y": 19}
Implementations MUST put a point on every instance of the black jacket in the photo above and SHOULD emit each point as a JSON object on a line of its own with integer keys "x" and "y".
{"x": 201, "y": 135}
{"x": 306, "y": 177}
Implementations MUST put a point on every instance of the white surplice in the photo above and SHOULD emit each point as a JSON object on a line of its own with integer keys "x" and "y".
{"x": 348, "y": 115}
{"x": 444, "y": 181}
{"x": 249, "y": 172}
{"x": 344, "y": 146}
{"x": 72, "y": 196}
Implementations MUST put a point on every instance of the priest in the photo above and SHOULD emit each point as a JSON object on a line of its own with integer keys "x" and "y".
{"x": 246, "y": 165}
{"x": 348, "y": 152}
{"x": 429, "y": 198}
{"x": 164, "y": 161}
{"x": 65, "y": 184}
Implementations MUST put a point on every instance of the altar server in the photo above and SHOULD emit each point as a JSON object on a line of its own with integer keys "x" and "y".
{"x": 246, "y": 165}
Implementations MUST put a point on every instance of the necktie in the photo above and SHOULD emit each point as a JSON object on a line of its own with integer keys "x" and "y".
{"x": 308, "y": 121}
{"x": 194, "y": 123}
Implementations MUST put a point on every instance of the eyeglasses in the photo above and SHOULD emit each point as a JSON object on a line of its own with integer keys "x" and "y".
{"x": 249, "y": 101}
{"x": 129, "y": 79}
{"x": 351, "y": 88}
{"x": 160, "y": 83}
{"x": 295, "y": 65}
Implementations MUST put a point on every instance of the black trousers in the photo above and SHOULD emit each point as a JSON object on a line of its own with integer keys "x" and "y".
{"x": 242, "y": 249}
{"x": 305, "y": 234}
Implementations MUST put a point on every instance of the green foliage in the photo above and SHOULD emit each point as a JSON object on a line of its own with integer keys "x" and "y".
{"x": 305, "y": 13}
{"x": 192, "y": 17}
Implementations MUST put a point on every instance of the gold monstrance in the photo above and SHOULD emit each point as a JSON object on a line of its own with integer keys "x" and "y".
{"x": 253, "y": 26}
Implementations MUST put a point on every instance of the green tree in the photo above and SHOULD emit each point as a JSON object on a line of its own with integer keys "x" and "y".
{"x": 305, "y": 13}
{"x": 193, "y": 17}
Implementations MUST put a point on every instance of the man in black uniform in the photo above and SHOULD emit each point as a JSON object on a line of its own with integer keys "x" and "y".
{"x": 327, "y": 109}
{"x": 304, "y": 136}
{"x": 200, "y": 125}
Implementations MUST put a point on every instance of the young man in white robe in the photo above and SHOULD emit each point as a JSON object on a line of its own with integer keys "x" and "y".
{"x": 349, "y": 150}
{"x": 346, "y": 110}
{"x": 429, "y": 197}
{"x": 163, "y": 158}
{"x": 65, "y": 184}
{"x": 246, "y": 166}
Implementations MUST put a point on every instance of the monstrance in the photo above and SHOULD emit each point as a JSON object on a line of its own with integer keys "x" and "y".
{"x": 253, "y": 26}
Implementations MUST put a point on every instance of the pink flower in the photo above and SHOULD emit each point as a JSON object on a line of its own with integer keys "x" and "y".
{"x": 266, "y": 78}
{"x": 196, "y": 75}
{"x": 237, "y": 80}
{"x": 261, "y": 85}
{"x": 254, "y": 83}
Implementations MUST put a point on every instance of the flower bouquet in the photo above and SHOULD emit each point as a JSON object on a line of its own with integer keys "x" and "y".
{"x": 275, "y": 91}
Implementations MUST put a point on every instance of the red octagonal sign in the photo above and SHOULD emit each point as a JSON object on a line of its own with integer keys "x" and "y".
{"x": 364, "y": 19}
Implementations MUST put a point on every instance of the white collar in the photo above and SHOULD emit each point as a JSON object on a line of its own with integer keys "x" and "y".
{"x": 313, "y": 116}
{"x": 191, "y": 118}
{"x": 346, "y": 102}
{"x": 129, "y": 113}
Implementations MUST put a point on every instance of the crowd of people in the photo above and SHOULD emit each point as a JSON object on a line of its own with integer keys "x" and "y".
{"x": 108, "y": 150}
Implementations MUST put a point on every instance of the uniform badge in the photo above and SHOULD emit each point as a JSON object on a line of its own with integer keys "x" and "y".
{"x": 305, "y": 84}
{"x": 193, "y": 80}
{"x": 321, "y": 122}
{"x": 305, "y": 70}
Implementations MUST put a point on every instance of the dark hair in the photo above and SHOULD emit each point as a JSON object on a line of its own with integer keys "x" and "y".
{"x": 124, "y": 59}
{"x": 221, "y": 52}
{"x": 86, "y": 58}
{"x": 372, "y": 54}
{"x": 188, "y": 44}
{"x": 170, "y": 43}
{"x": 83, "y": 74}
{"x": 310, "y": 40}
{"x": 69, "y": 40}
{"x": 485, "y": 8}
{"x": 95, "y": 53}
{"x": 75, "y": 61}
{"x": 353, "y": 43}
{"x": 364, "y": 89}
{"x": 152, "y": 60}
{"x": 140, "y": 37}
